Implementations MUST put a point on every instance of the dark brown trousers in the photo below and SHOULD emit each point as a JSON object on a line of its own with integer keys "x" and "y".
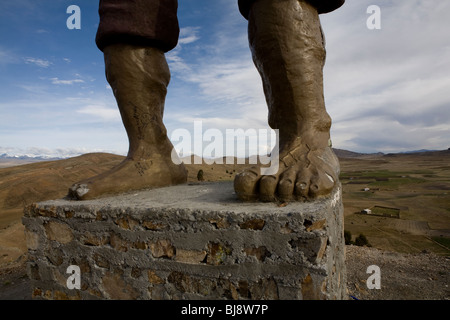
{"x": 141, "y": 22}
{"x": 155, "y": 23}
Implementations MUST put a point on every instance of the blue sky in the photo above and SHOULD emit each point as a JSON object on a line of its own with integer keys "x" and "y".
{"x": 387, "y": 90}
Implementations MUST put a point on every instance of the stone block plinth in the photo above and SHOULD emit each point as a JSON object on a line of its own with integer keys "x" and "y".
{"x": 186, "y": 242}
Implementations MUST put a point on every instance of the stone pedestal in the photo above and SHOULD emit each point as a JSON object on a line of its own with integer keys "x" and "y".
{"x": 186, "y": 242}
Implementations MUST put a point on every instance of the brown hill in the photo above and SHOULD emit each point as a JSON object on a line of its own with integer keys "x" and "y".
{"x": 24, "y": 184}
{"x": 350, "y": 154}
{"x": 29, "y": 183}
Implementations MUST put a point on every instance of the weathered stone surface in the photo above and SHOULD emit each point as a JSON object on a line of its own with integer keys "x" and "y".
{"x": 220, "y": 223}
{"x": 150, "y": 225}
{"x": 92, "y": 239}
{"x": 140, "y": 245}
{"x": 217, "y": 253}
{"x": 118, "y": 243}
{"x": 36, "y": 293}
{"x": 265, "y": 289}
{"x": 100, "y": 261}
{"x": 153, "y": 278}
{"x": 254, "y": 224}
{"x": 162, "y": 248}
{"x": 32, "y": 239}
{"x": 116, "y": 288}
{"x": 312, "y": 290}
{"x": 313, "y": 249}
{"x": 310, "y": 226}
{"x": 259, "y": 253}
{"x": 190, "y": 256}
{"x": 58, "y": 295}
{"x": 56, "y": 256}
{"x": 188, "y": 242}
{"x": 127, "y": 223}
{"x": 58, "y": 231}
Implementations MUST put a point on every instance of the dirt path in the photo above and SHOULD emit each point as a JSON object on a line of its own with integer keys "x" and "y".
{"x": 422, "y": 276}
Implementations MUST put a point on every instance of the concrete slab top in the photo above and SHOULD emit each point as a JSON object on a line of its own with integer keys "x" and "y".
{"x": 211, "y": 197}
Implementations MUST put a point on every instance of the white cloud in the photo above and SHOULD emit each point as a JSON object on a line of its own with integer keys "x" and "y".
{"x": 230, "y": 81}
{"x": 188, "y": 35}
{"x": 228, "y": 94}
{"x": 387, "y": 89}
{"x": 176, "y": 63}
{"x": 66, "y": 82}
{"x": 222, "y": 80}
{"x": 38, "y": 62}
{"x": 102, "y": 112}
{"x": 7, "y": 57}
{"x": 34, "y": 88}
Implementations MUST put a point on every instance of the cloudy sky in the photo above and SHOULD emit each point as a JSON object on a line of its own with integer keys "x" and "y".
{"x": 386, "y": 89}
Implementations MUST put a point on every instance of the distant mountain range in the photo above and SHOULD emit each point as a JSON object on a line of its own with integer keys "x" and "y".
{"x": 420, "y": 151}
{"x": 39, "y": 154}
{"x": 339, "y": 152}
{"x": 24, "y": 157}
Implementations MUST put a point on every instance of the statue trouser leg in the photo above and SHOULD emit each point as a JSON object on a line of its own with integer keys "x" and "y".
{"x": 139, "y": 75}
{"x": 288, "y": 50}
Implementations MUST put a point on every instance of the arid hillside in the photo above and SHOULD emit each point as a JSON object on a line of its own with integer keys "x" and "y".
{"x": 29, "y": 183}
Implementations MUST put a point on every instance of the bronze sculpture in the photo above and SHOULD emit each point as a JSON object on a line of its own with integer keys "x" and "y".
{"x": 288, "y": 49}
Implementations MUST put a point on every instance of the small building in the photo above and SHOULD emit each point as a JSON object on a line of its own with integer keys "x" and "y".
{"x": 366, "y": 211}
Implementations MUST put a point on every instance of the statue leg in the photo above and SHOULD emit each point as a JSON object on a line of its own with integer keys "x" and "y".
{"x": 288, "y": 50}
{"x": 139, "y": 76}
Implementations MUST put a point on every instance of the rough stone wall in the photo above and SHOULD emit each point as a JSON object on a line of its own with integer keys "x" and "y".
{"x": 215, "y": 249}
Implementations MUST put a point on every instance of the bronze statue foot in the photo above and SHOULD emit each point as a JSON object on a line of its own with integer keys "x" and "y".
{"x": 128, "y": 176}
{"x": 288, "y": 49}
{"x": 303, "y": 174}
